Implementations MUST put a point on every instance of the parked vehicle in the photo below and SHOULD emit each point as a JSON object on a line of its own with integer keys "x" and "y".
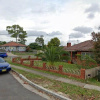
{"x": 4, "y": 66}
{"x": 3, "y": 54}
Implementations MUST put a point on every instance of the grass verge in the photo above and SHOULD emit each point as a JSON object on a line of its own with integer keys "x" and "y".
{"x": 71, "y": 91}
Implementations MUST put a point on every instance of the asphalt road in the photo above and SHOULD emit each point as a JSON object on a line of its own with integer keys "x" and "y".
{"x": 11, "y": 89}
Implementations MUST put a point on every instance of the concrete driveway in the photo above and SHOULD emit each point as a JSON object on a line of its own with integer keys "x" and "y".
{"x": 11, "y": 89}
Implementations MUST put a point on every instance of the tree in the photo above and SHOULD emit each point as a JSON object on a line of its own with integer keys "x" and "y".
{"x": 17, "y": 32}
{"x": 2, "y": 42}
{"x": 22, "y": 37}
{"x": 53, "y": 54}
{"x": 54, "y": 42}
{"x": 34, "y": 45}
{"x": 96, "y": 39}
{"x": 40, "y": 41}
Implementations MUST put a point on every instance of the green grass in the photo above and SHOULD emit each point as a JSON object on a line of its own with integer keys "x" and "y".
{"x": 22, "y": 53}
{"x": 72, "y": 91}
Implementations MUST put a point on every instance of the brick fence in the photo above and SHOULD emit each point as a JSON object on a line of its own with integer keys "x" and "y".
{"x": 44, "y": 67}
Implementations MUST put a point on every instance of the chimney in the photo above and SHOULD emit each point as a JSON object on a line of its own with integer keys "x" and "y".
{"x": 68, "y": 44}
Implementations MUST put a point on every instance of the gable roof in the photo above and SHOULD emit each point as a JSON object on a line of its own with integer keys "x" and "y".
{"x": 13, "y": 44}
{"x": 83, "y": 46}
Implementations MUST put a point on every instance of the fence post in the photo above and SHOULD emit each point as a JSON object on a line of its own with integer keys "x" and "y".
{"x": 60, "y": 68}
{"x": 29, "y": 57}
{"x": 37, "y": 58}
{"x": 82, "y": 76}
{"x": 44, "y": 65}
{"x": 21, "y": 61}
{"x": 13, "y": 60}
{"x": 31, "y": 63}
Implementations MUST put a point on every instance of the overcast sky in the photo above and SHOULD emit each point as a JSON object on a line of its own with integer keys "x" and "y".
{"x": 69, "y": 20}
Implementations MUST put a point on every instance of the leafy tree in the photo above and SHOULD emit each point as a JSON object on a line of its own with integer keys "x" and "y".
{"x": 28, "y": 49}
{"x": 40, "y": 41}
{"x": 22, "y": 37}
{"x": 34, "y": 45}
{"x": 17, "y": 32}
{"x": 54, "y": 42}
{"x": 2, "y": 42}
{"x": 96, "y": 39}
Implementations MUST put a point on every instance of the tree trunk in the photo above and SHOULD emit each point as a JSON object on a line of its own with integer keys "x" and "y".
{"x": 16, "y": 39}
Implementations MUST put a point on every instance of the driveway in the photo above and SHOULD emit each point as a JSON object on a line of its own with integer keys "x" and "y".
{"x": 11, "y": 89}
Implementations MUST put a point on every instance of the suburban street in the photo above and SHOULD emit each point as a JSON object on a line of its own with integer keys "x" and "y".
{"x": 11, "y": 89}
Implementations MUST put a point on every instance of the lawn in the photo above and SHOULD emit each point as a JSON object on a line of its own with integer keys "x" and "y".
{"x": 22, "y": 53}
{"x": 71, "y": 91}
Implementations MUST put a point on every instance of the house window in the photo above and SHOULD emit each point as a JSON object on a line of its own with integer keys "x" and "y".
{"x": 90, "y": 54}
{"x": 22, "y": 47}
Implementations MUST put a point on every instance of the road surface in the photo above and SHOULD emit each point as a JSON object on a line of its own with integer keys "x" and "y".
{"x": 11, "y": 89}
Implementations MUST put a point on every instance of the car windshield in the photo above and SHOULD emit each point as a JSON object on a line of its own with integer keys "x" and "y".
{"x": 2, "y": 60}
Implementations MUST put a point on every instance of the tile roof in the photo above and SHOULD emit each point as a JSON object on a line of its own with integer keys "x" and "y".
{"x": 83, "y": 46}
{"x": 13, "y": 44}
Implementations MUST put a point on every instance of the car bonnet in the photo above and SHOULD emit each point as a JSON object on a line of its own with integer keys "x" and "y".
{"x": 5, "y": 64}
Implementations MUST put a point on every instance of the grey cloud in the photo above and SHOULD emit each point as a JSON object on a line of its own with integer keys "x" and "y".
{"x": 55, "y": 33}
{"x": 39, "y": 33}
{"x": 76, "y": 35}
{"x": 91, "y": 16}
{"x": 83, "y": 29}
{"x": 36, "y": 33}
{"x": 3, "y": 32}
{"x": 93, "y": 8}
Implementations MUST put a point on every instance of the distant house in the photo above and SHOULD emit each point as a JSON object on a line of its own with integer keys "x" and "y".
{"x": 83, "y": 48}
{"x": 13, "y": 46}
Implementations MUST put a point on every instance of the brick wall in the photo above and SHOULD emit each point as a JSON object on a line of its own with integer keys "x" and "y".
{"x": 44, "y": 67}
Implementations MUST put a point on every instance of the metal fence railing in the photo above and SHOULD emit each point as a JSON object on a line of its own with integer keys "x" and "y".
{"x": 51, "y": 67}
{"x": 72, "y": 71}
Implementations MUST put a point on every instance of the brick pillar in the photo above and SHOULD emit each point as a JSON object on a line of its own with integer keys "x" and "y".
{"x": 69, "y": 62}
{"x": 31, "y": 63}
{"x": 82, "y": 76}
{"x": 13, "y": 60}
{"x": 60, "y": 68}
{"x": 29, "y": 57}
{"x": 21, "y": 61}
{"x": 37, "y": 57}
{"x": 44, "y": 65}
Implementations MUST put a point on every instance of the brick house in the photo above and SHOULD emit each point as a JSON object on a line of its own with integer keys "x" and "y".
{"x": 13, "y": 46}
{"x": 83, "y": 48}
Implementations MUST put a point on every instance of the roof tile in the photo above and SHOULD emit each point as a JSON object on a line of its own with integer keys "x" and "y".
{"x": 13, "y": 44}
{"x": 83, "y": 46}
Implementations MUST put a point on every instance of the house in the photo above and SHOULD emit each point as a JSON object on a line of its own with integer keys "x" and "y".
{"x": 83, "y": 48}
{"x": 13, "y": 46}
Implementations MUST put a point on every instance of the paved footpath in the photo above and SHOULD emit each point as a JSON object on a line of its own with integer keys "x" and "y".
{"x": 65, "y": 80}
{"x": 11, "y": 89}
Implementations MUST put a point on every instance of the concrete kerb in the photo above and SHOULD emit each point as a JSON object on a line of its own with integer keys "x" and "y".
{"x": 60, "y": 97}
